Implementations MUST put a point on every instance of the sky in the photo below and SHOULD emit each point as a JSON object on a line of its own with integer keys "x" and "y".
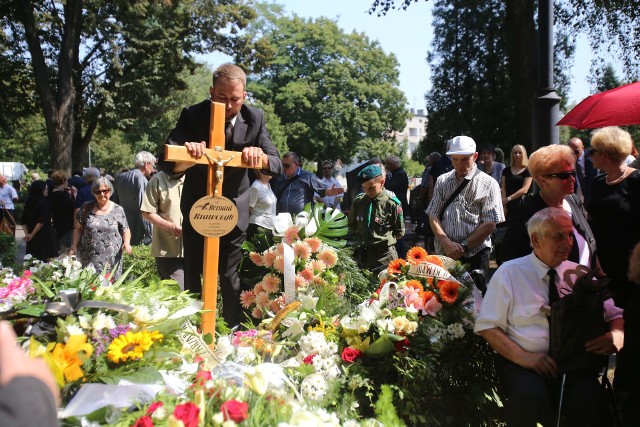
{"x": 408, "y": 34}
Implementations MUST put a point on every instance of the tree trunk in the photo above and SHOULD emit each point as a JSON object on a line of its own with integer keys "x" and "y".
{"x": 58, "y": 108}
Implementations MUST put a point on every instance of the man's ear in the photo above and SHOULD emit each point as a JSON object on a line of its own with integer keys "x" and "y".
{"x": 535, "y": 240}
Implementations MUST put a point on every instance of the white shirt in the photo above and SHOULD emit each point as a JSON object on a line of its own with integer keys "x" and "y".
{"x": 330, "y": 200}
{"x": 479, "y": 202}
{"x": 516, "y": 293}
{"x": 7, "y": 195}
{"x": 262, "y": 204}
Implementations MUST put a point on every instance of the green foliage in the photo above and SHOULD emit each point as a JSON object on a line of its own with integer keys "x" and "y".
{"x": 25, "y": 141}
{"x": 141, "y": 263}
{"x": 385, "y": 411}
{"x": 7, "y": 250}
{"x": 331, "y": 224}
{"x": 331, "y": 90}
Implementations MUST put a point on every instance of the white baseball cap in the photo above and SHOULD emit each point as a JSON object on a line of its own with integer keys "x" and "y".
{"x": 462, "y": 145}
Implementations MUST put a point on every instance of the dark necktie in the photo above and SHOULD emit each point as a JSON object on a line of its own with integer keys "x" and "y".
{"x": 553, "y": 288}
{"x": 228, "y": 136}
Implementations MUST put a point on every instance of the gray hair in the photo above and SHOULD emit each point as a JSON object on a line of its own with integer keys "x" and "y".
{"x": 293, "y": 156}
{"x": 142, "y": 158}
{"x": 90, "y": 174}
{"x": 393, "y": 160}
{"x": 99, "y": 182}
{"x": 542, "y": 220}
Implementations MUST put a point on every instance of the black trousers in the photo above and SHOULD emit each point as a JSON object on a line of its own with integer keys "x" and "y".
{"x": 479, "y": 261}
{"x": 531, "y": 398}
{"x": 229, "y": 258}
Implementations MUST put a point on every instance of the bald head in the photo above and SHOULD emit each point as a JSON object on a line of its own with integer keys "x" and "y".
{"x": 576, "y": 146}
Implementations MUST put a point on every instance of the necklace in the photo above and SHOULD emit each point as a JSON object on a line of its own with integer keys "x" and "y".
{"x": 549, "y": 203}
{"x": 618, "y": 179}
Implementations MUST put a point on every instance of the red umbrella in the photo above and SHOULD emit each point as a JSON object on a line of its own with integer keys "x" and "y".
{"x": 615, "y": 107}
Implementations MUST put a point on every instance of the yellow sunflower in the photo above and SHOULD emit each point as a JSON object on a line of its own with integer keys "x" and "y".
{"x": 131, "y": 346}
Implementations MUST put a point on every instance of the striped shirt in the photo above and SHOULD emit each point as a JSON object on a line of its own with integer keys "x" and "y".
{"x": 479, "y": 202}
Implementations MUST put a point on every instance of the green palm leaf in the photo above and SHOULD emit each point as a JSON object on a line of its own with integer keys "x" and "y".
{"x": 332, "y": 224}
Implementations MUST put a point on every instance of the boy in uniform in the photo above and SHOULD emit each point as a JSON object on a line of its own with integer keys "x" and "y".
{"x": 376, "y": 219}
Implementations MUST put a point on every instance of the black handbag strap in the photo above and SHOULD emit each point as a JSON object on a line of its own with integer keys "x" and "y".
{"x": 453, "y": 196}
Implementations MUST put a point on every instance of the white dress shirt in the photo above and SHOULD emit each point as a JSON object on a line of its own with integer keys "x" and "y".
{"x": 517, "y": 292}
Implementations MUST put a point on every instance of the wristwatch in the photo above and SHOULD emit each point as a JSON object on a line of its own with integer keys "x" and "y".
{"x": 464, "y": 245}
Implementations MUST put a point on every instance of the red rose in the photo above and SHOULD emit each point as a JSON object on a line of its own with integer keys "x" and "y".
{"x": 350, "y": 354}
{"x": 143, "y": 422}
{"x": 309, "y": 359}
{"x": 152, "y": 408}
{"x": 235, "y": 410}
{"x": 401, "y": 345}
{"x": 188, "y": 414}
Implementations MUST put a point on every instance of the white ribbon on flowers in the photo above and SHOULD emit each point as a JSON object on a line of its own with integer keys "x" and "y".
{"x": 289, "y": 274}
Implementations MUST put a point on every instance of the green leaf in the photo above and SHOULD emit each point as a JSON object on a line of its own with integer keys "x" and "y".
{"x": 331, "y": 224}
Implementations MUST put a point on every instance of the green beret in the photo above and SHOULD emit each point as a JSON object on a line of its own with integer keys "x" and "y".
{"x": 368, "y": 173}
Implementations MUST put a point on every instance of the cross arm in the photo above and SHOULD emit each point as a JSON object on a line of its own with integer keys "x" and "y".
{"x": 177, "y": 153}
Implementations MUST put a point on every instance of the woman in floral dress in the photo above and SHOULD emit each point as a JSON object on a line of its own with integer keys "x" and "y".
{"x": 101, "y": 231}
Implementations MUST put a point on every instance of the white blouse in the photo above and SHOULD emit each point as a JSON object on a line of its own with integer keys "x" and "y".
{"x": 262, "y": 204}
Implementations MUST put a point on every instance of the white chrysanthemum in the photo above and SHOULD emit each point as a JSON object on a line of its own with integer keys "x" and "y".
{"x": 74, "y": 330}
{"x": 141, "y": 314}
{"x": 160, "y": 413}
{"x": 103, "y": 321}
{"x": 27, "y": 257}
{"x": 314, "y": 387}
{"x": 455, "y": 330}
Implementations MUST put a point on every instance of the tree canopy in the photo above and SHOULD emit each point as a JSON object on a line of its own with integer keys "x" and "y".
{"x": 331, "y": 90}
{"x": 97, "y": 62}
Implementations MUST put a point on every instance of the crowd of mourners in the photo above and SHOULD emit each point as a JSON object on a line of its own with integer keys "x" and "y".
{"x": 546, "y": 219}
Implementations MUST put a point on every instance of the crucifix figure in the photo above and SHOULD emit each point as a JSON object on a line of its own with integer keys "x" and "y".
{"x": 219, "y": 167}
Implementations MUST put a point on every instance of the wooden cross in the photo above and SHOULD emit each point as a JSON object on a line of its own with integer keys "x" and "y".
{"x": 216, "y": 157}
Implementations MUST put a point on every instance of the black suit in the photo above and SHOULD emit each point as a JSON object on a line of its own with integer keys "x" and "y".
{"x": 249, "y": 130}
{"x": 589, "y": 173}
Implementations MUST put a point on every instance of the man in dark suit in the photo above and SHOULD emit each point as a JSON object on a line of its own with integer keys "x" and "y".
{"x": 585, "y": 171}
{"x": 245, "y": 132}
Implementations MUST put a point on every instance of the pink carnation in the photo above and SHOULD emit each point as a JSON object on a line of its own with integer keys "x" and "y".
{"x": 278, "y": 263}
{"x": 257, "y": 313}
{"x": 271, "y": 283}
{"x": 412, "y": 297}
{"x": 300, "y": 281}
{"x": 318, "y": 265}
{"x": 329, "y": 257}
{"x": 268, "y": 258}
{"x": 262, "y": 299}
{"x": 290, "y": 235}
{"x": 256, "y": 258}
{"x": 314, "y": 243}
{"x": 247, "y": 298}
{"x": 302, "y": 250}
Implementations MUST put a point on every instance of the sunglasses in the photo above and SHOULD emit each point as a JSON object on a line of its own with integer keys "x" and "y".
{"x": 107, "y": 191}
{"x": 327, "y": 167}
{"x": 287, "y": 165}
{"x": 562, "y": 175}
{"x": 591, "y": 151}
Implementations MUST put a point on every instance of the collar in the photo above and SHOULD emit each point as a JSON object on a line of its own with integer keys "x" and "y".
{"x": 295, "y": 174}
{"x": 542, "y": 269}
{"x": 233, "y": 120}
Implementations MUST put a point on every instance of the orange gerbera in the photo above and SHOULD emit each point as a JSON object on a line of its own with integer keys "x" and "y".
{"x": 434, "y": 259}
{"x": 426, "y": 296}
{"x": 415, "y": 284}
{"x": 448, "y": 291}
{"x": 416, "y": 255}
{"x": 395, "y": 266}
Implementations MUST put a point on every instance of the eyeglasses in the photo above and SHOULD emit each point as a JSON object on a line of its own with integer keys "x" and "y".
{"x": 562, "y": 175}
{"x": 107, "y": 191}
{"x": 591, "y": 151}
{"x": 327, "y": 167}
{"x": 287, "y": 165}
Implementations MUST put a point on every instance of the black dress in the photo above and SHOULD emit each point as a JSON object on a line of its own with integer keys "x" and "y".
{"x": 513, "y": 182}
{"x": 614, "y": 216}
{"x": 42, "y": 246}
{"x": 62, "y": 215}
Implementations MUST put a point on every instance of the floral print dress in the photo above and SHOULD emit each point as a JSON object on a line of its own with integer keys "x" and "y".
{"x": 101, "y": 242}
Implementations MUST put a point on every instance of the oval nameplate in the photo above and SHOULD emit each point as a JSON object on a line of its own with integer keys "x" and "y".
{"x": 213, "y": 216}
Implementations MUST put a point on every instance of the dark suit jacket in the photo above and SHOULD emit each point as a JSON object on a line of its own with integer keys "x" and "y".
{"x": 589, "y": 171}
{"x": 249, "y": 130}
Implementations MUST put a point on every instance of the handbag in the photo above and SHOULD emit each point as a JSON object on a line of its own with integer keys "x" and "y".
{"x": 8, "y": 224}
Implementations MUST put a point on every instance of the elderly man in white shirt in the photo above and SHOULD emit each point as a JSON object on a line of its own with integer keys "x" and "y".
{"x": 512, "y": 322}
